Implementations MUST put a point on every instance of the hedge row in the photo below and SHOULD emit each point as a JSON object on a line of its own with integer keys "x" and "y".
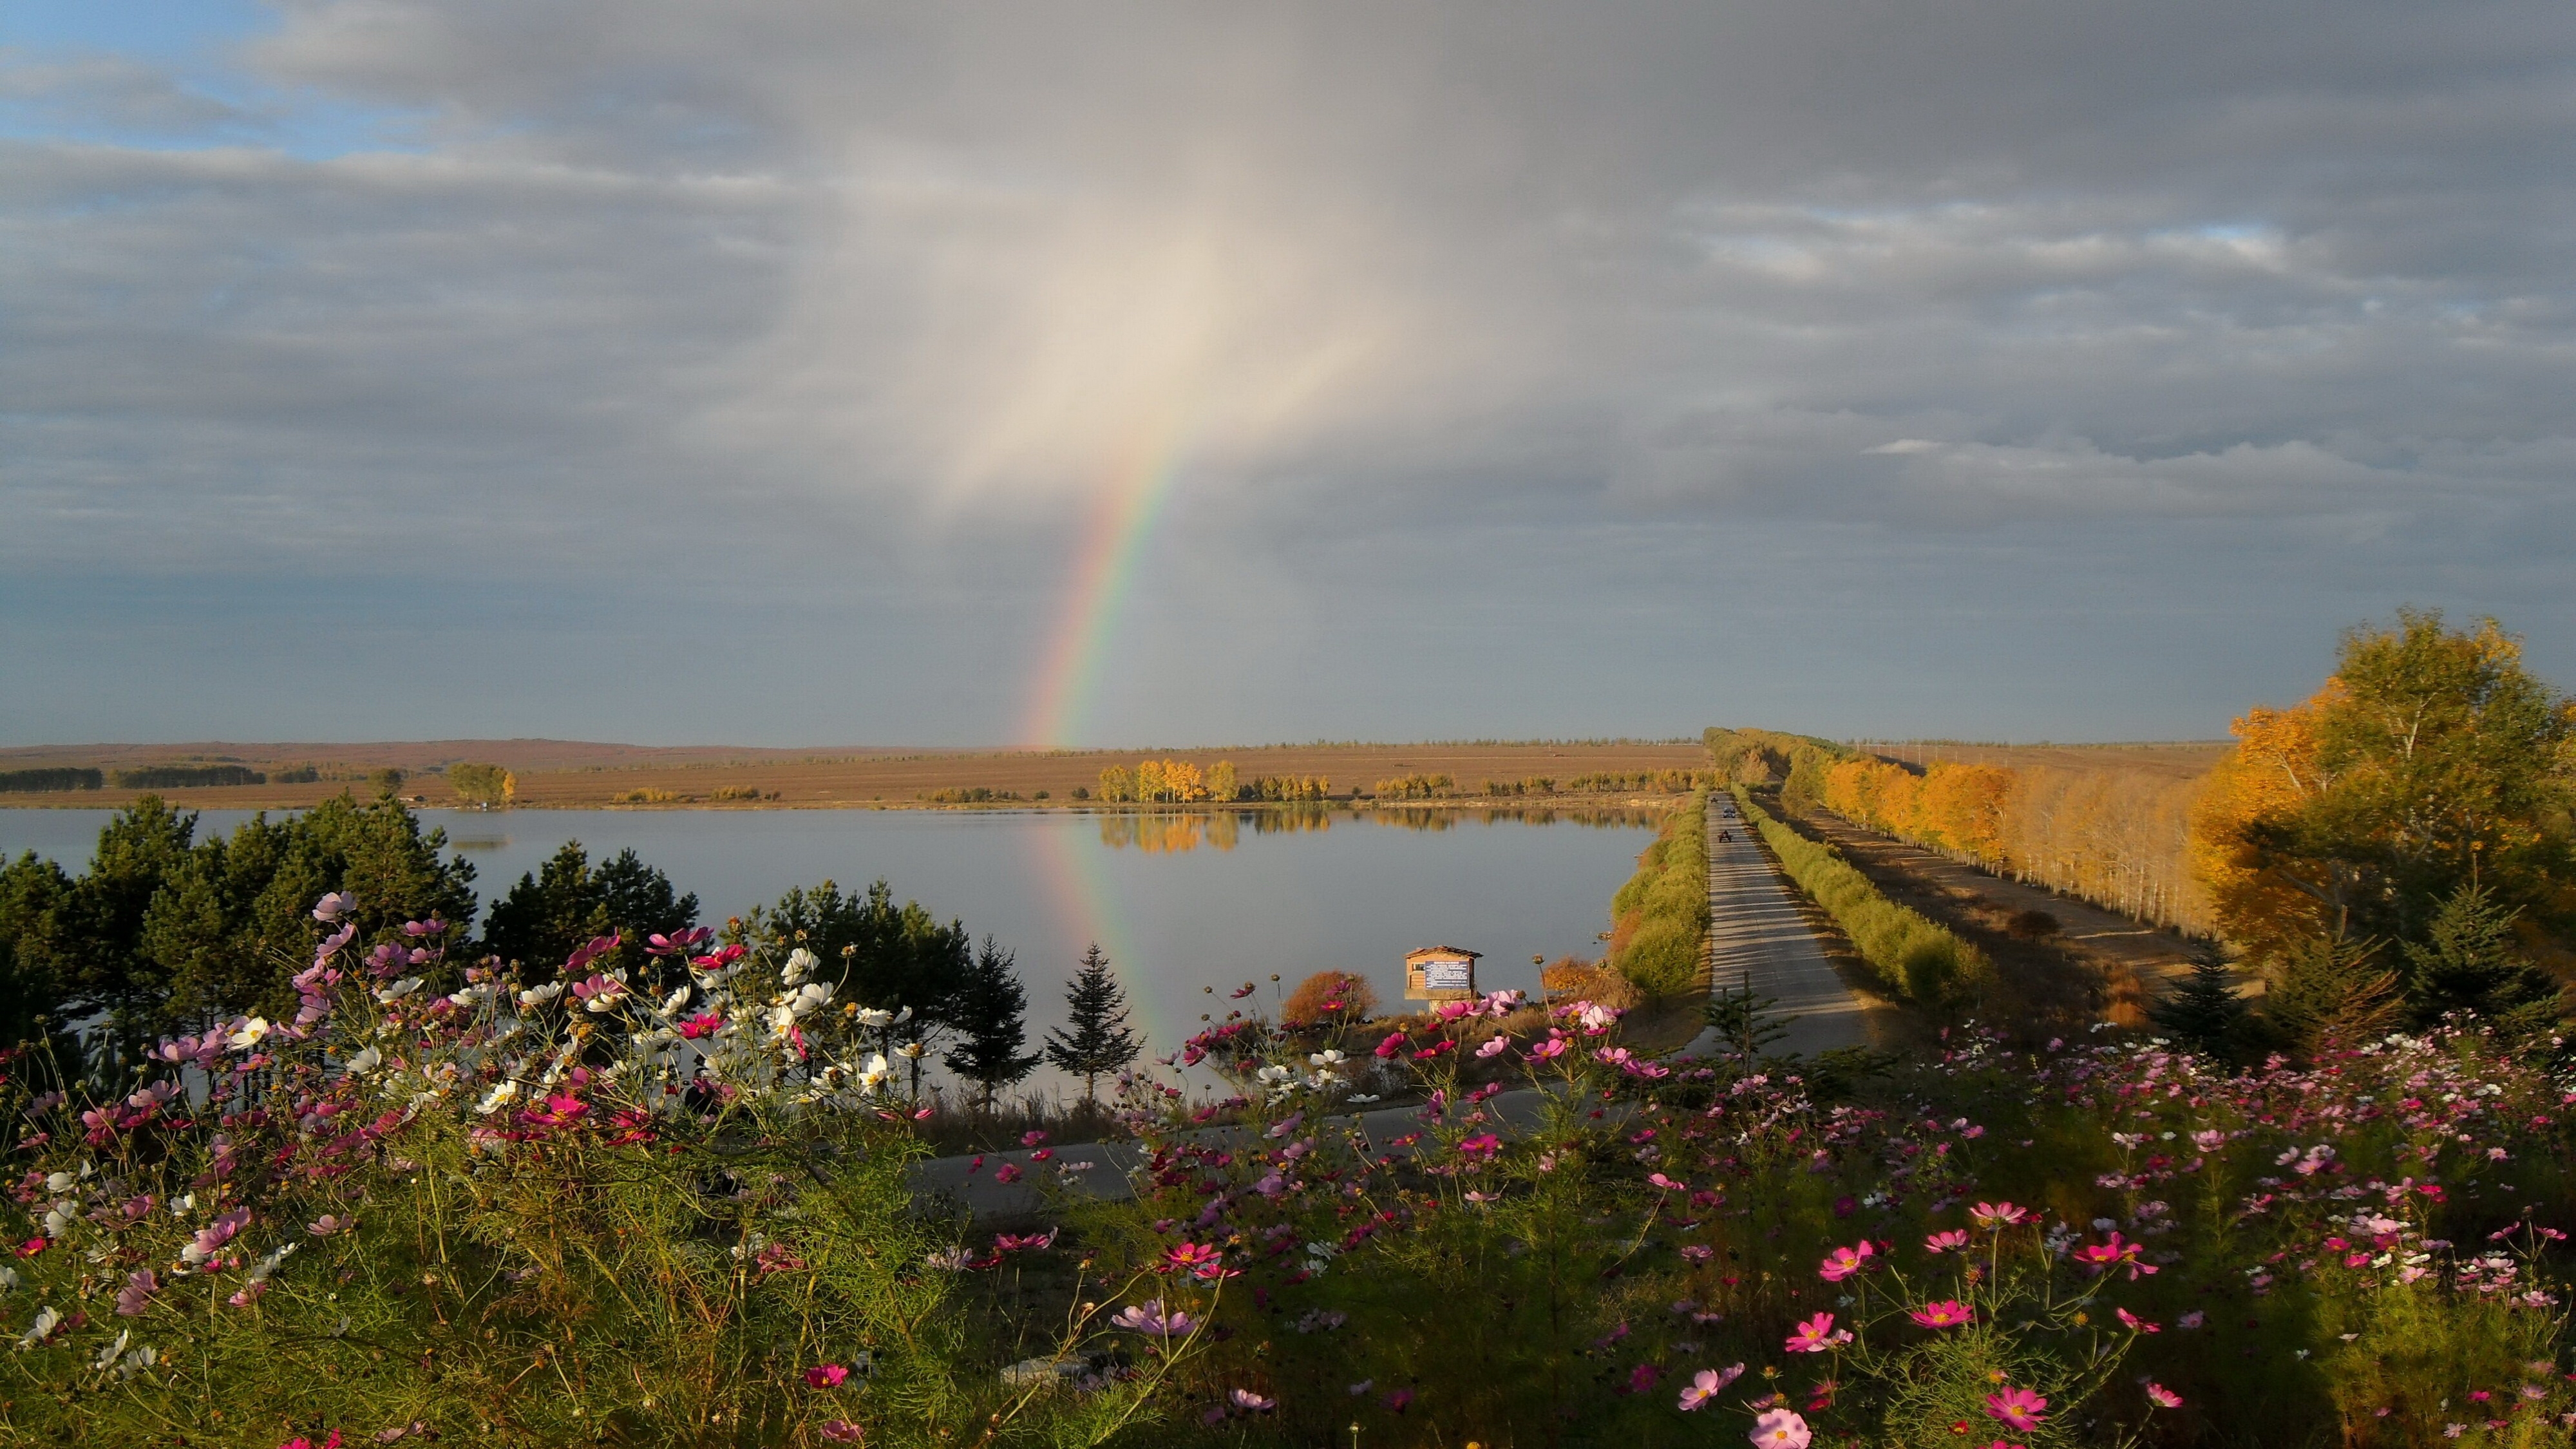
{"x": 1910, "y": 952}
{"x": 1659, "y": 919}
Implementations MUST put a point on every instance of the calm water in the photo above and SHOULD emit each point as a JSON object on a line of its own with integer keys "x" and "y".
{"x": 1180, "y": 902}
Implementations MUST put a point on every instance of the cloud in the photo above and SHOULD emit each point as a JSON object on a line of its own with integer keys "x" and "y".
{"x": 897, "y": 288}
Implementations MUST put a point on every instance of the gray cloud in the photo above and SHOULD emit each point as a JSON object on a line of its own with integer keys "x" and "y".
{"x": 1584, "y": 294}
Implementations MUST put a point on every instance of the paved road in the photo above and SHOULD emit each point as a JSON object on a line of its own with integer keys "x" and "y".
{"x": 1757, "y": 934}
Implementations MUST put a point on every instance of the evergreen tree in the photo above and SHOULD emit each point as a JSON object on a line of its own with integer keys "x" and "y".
{"x": 1096, "y": 1039}
{"x": 990, "y": 1014}
{"x": 2468, "y": 961}
{"x": 565, "y": 904}
{"x": 2204, "y": 1012}
{"x": 2331, "y": 988}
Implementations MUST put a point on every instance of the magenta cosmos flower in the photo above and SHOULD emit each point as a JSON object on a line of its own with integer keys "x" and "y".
{"x": 825, "y": 1376}
{"x": 2019, "y": 1408}
{"x": 1998, "y": 1215}
{"x": 1708, "y": 1384}
{"x": 1841, "y": 1263}
{"x": 1947, "y": 1242}
{"x": 1816, "y": 1335}
{"x": 2162, "y": 1397}
{"x": 1948, "y": 1313}
{"x": 1781, "y": 1429}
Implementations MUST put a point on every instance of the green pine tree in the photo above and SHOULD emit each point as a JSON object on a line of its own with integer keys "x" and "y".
{"x": 990, "y": 1014}
{"x": 2469, "y": 961}
{"x": 1095, "y": 1040}
{"x": 2204, "y": 1012}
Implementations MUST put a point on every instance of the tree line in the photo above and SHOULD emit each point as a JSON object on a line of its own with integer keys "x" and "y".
{"x": 2399, "y": 845}
{"x": 168, "y": 933}
{"x": 64, "y": 778}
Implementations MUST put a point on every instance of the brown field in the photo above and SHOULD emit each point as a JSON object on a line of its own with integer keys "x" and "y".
{"x": 562, "y": 774}
{"x": 2170, "y": 759}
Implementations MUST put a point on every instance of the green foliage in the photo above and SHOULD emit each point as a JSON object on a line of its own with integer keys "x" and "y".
{"x": 1095, "y": 1040}
{"x": 565, "y": 903}
{"x": 990, "y": 1016}
{"x": 2468, "y": 961}
{"x": 1915, "y": 956}
{"x": 167, "y": 933}
{"x": 481, "y": 784}
{"x": 2204, "y": 1013}
{"x": 1659, "y": 919}
{"x": 890, "y": 957}
{"x": 179, "y": 777}
{"x": 2330, "y": 989}
{"x": 56, "y": 779}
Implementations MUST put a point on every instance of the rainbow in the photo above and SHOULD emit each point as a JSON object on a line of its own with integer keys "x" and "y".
{"x": 1103, "y": 574}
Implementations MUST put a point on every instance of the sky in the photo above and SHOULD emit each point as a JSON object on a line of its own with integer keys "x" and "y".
{"x": 814, "y": 371}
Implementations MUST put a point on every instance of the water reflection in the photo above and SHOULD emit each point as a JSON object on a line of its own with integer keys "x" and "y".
{"x": 1175, "y": 831}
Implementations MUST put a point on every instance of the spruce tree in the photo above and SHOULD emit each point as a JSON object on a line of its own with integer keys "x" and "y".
{"x": 989, "y": 1012}
{"x": 2204, "y": 1012}
{"x": 1095, "y": 1039}
{"x": 2470, "y": 961}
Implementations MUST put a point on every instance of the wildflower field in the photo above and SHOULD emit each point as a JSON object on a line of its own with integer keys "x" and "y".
{"x": 670, "y": 1206}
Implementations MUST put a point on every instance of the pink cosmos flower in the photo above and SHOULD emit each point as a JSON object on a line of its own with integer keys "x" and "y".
{"x": 1816, "y": 1335}
{"x": 1708, "y": 1384}
{"x": 1554, "y": 1046}
{"x": 1947, "y": 1242}
{"x": 1841, "y": 1263}
{"x": 333, "y": 906}
{"x": 2162, "y": 1397}
{"x": 1191, "y": 1256}
{"x": 825, "y": 1376}
{"x": 1394, "y": 1043}
{"x": 2137, "y": 1324}
{"x": 1697, "y": 1253}
{"x": 1252, "y": 1403}
{"x": 1149, "y": 1318}
{"x": 841, "y": 1431}
{"x": 2019, "y": 1408}
{"x": 1998, "y": 1215}
{"x": 137, "y": 1292}
{"x": 1496, "y": 1047}
{"x": 1781, "y": 1429}
{"x": 1948, "y": 1313}
{"x": 2113, "y": 1251}
{"x": 2193, "y": 1319}
{"x": 1481, "y": 1147}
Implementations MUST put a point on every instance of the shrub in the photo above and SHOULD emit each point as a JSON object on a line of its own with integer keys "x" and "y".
{"x": 1569, "y": 979}
{"x": 1659, "y": 919}
{"x": 1329, "y": 998}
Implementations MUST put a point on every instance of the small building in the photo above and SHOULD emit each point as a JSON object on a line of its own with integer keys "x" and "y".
{"x": 1440, "y": 973}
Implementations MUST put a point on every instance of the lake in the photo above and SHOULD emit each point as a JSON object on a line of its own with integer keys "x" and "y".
{"x": 1179, "y": 901}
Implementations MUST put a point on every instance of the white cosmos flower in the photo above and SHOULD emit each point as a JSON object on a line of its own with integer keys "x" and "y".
{"x": 59, "y": 1181}
{"x": 675, "y": 1000}
{"x": 809, "y": 999}
{"x": 800, "y": 964}
{"x": 913, "y": 1050}
{"x": 499, "y": 1097}
{"x": 252, "y": 1032}
{"x": 536, "y": 996}
{"x": 400, "y": 989}
{"x": 876, "y": 1072}
{"x": 43, "y": 1328}
{"x": 364, "y": 1062}
{"x": 1328, "y": 1057}
{"x": 871, "y": 1016}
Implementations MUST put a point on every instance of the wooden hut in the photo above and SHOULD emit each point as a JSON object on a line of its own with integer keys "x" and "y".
{"x": 1440, "y": 973}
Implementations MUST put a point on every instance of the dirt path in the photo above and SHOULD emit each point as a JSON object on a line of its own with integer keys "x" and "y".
{"x": 2150, "y": 953}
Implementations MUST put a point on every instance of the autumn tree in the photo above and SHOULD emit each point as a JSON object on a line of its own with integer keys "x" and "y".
{"x": 478, "y": 784}
{"x": 2431, "y": 763}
